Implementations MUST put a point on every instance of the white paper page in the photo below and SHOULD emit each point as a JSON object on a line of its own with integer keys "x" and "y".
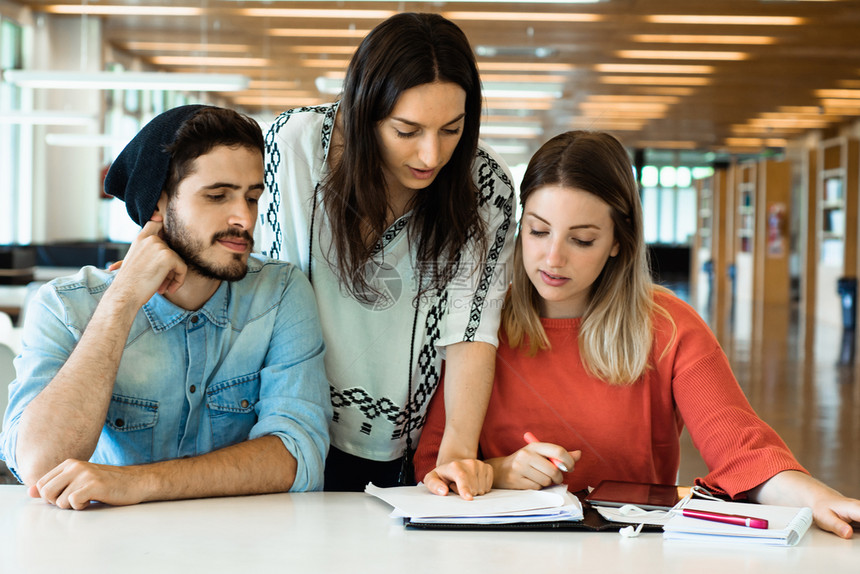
{"x": 417, "y": 501}
{"x": 571, "y": 512}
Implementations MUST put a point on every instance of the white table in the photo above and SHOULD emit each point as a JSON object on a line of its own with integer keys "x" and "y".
{"x": 352, "y": 533}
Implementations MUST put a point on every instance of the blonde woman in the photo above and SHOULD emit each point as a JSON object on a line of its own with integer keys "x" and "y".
{"x": 606, "y": 367}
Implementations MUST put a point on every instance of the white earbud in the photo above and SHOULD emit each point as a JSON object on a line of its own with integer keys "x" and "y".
{"x": 630, "y": 532}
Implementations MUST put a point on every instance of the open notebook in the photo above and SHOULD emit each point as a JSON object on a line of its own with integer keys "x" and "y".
{"x": 420, "y": 506}
{"x": 786, "y": 525}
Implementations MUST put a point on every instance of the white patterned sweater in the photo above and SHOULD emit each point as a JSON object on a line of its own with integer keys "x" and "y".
{"x": 383, "y": 353}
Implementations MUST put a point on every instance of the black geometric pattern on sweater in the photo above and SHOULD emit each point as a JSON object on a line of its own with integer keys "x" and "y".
{"x": 426, "y": 373}
{"x": 360, "y": 399}
{"x": 390, "y": 234}
{"x": 488, "y": 171}
{"x": 273, "y": 161}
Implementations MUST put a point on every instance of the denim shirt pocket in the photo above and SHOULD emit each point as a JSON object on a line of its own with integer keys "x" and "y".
{"x": 232, "y": 409}
{"x": 130, "y": 430}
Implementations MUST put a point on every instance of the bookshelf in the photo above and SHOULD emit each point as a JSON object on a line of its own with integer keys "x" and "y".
{"x": 745, "y": 175}
{"x": 761, "y": 306}
{"x": 714, "y": 242}
{"x": 702, "y": 252}
{"x": 834, "y": 250}
{"x": 832, "y": 214}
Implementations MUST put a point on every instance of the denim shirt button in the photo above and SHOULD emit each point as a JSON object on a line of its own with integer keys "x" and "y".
{"x": 119, "y": 423}
{"x": 244, "y": 404}
{"x": 192, "y": 389}
{"x": 194, "y": 319}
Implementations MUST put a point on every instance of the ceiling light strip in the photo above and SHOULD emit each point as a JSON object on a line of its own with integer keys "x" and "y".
{"x": 516, "y": 104}
{"x": 340, "y": 50}
{"x": 90, "y": 10}
{"x": 653, "y": 69}
{"x": 624, "y": 99}
{"x": 85, "y": 140}
{"x": 316, "y": 13}
{"x": 308, "y": 33}
{"x": 214, "y": 61}
{"x": 534, "y": 78}
{"x": 536, "y": 94}
{"x": 722, "y": 56}
{"x": 703, "y": 39}
{"x": 125, "y": 80}
{"x": 663, "y": 90}
{"x": 631, "y": 106}
{"x": 838, "y": 94}
{"x": 184, "y": 47}
{"x": 668, "y": 144}
{"x": 324, "y": 63}
{"x": 655, "y": 80}
{"x": 725, "y": 20}
{"x": 525, "y": 67}
{"x": 46, "y": 118}
{"x": 281, "y": 102}
{"x": 516, "y": 17}
{"x": 754, "y": 142}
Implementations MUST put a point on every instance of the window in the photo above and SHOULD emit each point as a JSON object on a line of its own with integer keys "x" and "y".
{"x": 669, "y": 204}
{"x": 128, "y": 111}
{"x": 10, "y": 138}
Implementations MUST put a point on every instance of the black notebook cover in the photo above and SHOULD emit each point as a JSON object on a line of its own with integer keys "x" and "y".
{"x": 592, "y": 521}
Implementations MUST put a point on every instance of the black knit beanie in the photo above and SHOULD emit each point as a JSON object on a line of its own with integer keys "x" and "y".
{"x": 140, "y": 171}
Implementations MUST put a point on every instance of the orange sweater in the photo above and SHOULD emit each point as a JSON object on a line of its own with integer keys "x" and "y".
{"x": 626, "y": 432}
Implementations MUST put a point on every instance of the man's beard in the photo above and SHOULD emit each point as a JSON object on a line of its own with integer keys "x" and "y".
{"x": 179, "y": 239}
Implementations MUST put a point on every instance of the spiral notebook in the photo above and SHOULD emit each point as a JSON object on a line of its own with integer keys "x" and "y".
{"x": 786, "y": 525}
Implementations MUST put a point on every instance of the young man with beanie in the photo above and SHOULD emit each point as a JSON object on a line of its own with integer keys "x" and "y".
{"x": 195, "y": 370}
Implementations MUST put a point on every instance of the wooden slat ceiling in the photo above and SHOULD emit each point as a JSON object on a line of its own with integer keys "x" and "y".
{"x": 753, "y": 73}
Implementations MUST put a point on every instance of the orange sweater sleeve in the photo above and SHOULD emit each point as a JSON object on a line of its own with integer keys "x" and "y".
{"x": 740, "y": 449}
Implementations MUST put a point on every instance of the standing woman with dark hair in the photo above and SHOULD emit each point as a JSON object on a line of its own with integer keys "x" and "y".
{"x": 403, "y": 223}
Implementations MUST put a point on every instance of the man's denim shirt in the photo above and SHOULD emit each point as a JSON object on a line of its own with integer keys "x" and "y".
{"x": 249, "y": 363}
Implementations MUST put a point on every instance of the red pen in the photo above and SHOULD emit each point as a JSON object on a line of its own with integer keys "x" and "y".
{"x": 530, "y": 438}
{"x": 726, "y": 518}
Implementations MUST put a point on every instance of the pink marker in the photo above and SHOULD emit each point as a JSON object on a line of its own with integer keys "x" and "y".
{"x": 530, "y": 438}
{"x": 726, "y": 518}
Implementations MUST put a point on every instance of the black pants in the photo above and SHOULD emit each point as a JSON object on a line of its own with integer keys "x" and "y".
{"x": 346, "y": 472}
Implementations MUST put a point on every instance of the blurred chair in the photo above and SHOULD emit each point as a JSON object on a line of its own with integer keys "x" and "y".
{"x": 6, "y": 324}
{"x": 7, "y": 375}
{"x": 9, "y": 334}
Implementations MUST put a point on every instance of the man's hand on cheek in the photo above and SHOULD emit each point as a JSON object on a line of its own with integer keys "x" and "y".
{"x": 150, "y": 267}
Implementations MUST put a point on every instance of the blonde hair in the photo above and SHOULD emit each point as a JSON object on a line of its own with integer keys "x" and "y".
{"x": 616, "y": 334}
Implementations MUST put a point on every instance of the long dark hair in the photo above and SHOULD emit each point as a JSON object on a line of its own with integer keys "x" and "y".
{"x": 404, "y": 51}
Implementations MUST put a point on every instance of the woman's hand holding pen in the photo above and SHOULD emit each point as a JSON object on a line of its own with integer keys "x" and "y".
{"x": 531, "y": 467}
